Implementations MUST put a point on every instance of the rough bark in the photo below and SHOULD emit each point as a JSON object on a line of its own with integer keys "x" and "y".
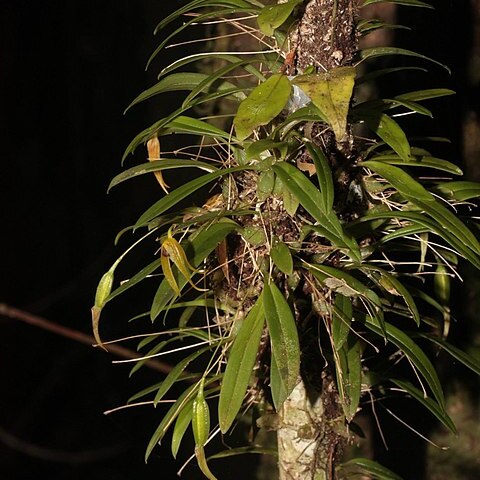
{"x": 311, "y": 434}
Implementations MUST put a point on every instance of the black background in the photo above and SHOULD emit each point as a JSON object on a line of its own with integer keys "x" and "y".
{"x": 68, "y": 69}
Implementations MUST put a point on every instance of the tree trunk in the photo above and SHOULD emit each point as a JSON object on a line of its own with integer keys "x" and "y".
{"x": 311, "y": 432}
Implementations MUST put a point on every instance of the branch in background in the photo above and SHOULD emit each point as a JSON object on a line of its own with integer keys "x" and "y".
{"x": 16, "y": 314}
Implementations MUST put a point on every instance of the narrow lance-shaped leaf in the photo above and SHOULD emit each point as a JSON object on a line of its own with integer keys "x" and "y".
{"x": 383, "y": 51}
{"x": 427, "y": 402}
{"x": 284, "y": 342}
{"x": 349, "y": 375}
{"x": 170, "y": 417}
{"x": 471, "y": 362}
{"x": 155, "y": 166}
{"x": 369, "y": 467}
{"x": 389, "y": 131}
{"x": 420, "y": 161}
{"x": 460, "y": 190}
{"x": 413, "y": 352}
{"x": 263, "y": 104}
{"x": 177, "y": 195}
{"x": 324, "y": 175}
{"x": 311, "y": 199}
{"x": 241, "y": 361}
{"x": 175, "y": 373}
{"x": 341, "y": 319}
{"x": 441, "y": 284}
{"x": 181, "y": 424}
{"x": 414, "y": 192}
{"x": 331, "y": 92}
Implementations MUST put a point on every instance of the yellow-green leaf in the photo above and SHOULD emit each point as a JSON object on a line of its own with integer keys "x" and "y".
{"x": 262, "y": 105}
{"x": 331, "y": 92}
{"x": 103, "y": 291}
{"x": 200, "y": 418}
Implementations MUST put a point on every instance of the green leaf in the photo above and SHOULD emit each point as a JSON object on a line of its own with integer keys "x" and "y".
{"x": 197, "y": 20}
{"x": 196, "y": 4}
{"x": 420, "y": 161}
{"x": 349, "y": 376}
{"x": 158, "y": 165}
{"x": 177, "y": 195}
{"x": 311, "y": 199}
{"x": 369, "y": 467}
{"x": 175, "y": 373}
{"x": 265, "y": 184}
{"x": 231, "y": 452}
{"x": 263, "y": 104}
{"x": 282, "y": 258}
{"x": 395, "y": 287}
{"x": 374, "y": 52}
{"x": 324, "y": 175}
{"x": 138, "y": 277}
{"x": 170, "y": 417}
{"x": 241, "y": 360}
{"x": 427, "y": 402}
{"x": 157, "y": 348}
{"x": 331, "y": 92}
{"x": 256, "y": 148}
{"x": 181, "y": 424}
{"x": 460, "y": 190}
{"x": 284, "y": 343}
{"x": 209, "y": 82}
{"x": 469, "y": 361}
{"x": 346, "y": 283}
{"x": 388, "y": 130}
{"x": 273, "y": 16}
{"x": 419, "y": 95}
{"x": 193, "y": 126}
{"x": 341, "y": 320}
{"x": 172, "y": 83}
{"x": 413, "y": 352}
{"x": 367, "y": 26}
{"x": 384, "y": 71}
{"x": 431, "y": 225}
{"x": 415, "y": 193}
{"x": 198, "y": 248}
{"x": 214, "y": 55}
{"x": 254, "y": 234}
